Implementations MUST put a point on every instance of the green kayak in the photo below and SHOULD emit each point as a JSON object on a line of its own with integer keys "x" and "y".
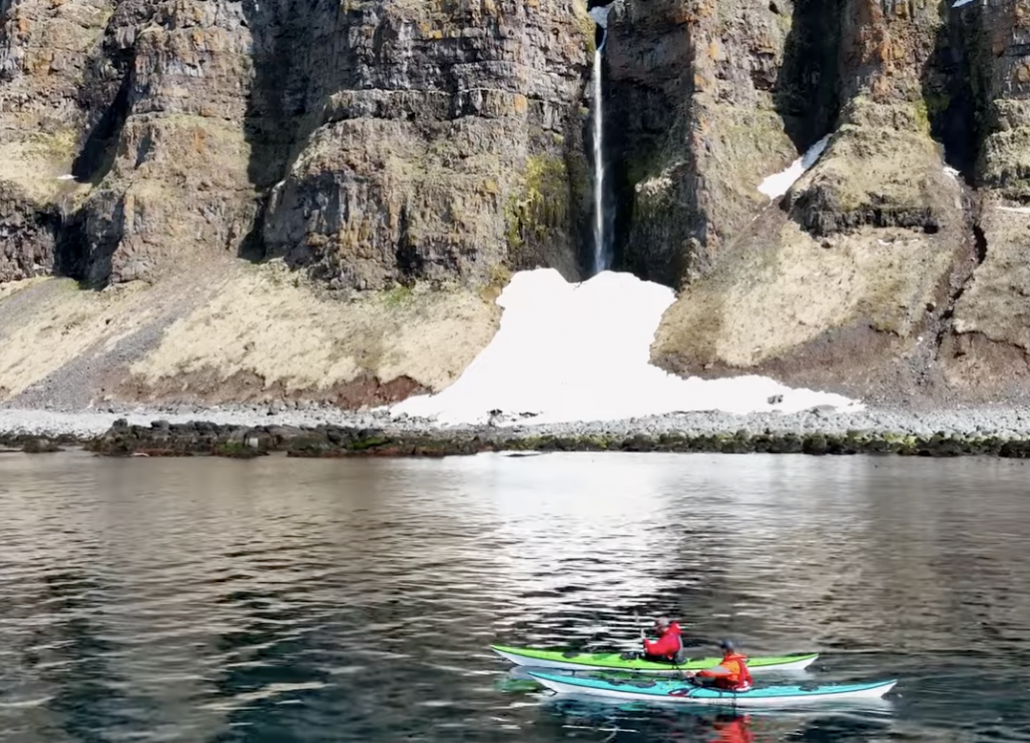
{"x": 572, "y": 661}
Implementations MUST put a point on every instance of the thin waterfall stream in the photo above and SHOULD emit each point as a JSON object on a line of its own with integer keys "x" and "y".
{"x": 602, "y": 257}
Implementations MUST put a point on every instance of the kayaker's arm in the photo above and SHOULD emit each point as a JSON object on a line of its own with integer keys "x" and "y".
{"x": 710, "y": 672}
{"x": 715, "y": 671}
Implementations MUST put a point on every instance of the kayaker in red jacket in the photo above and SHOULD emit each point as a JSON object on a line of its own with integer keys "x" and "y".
{"x": 732, "y": 674}
{"x": 669, "y": 641}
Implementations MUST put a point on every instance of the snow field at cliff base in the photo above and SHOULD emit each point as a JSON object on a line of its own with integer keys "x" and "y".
{"x": 581, "y": 352}
{"x": 568, "y": 353}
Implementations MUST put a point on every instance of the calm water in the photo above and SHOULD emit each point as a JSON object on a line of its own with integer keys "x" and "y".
{"x": 284, "y": 600}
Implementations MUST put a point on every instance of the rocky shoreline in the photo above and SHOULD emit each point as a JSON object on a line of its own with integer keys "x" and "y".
{"x": 317, "y": 432}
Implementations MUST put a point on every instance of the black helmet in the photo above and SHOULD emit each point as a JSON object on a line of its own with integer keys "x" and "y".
{"x": 727, "y": 645}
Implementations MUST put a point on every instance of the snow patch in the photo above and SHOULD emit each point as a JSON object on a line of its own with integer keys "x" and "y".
{"x": 950, "y": 172}
{"x": 1016, "y": 209}
{"x": 776, "y": 185}
{"x": 581, "y": 352}
{"x": 960, "y": 3}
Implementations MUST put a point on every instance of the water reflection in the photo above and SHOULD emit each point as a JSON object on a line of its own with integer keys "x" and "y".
{"x": 280, "y": 600}
{"x": 634, "y": 722}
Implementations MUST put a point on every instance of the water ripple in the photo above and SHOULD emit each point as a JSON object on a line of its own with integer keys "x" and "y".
{"x": 284, "y": 600}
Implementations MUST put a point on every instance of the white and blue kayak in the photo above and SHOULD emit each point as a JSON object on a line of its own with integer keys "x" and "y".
{"x": 682, "y": 692}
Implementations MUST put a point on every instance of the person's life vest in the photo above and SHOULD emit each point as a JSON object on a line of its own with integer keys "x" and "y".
{"x": 732, "y": 674}
{"x": 668, "y": 645}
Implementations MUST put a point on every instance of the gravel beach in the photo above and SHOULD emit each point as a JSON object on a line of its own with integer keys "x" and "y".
{"x": 1003, "y": 422}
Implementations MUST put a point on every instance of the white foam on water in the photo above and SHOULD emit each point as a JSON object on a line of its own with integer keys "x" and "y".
{"x": 581, "y": 352}
{"x": 778, "y": 184}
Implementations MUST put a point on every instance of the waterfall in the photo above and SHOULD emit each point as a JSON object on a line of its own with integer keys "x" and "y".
{"x": 602, "y": 258}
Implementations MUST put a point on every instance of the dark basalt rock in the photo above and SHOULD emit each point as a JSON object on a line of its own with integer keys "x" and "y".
{"x": 203, "y": 438}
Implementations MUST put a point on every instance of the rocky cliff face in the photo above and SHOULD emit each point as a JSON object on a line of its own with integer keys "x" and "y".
{"x": 694, "y": 124}
{"x": 423, "y": 139}
{"x": 365, "y": 143}
{"x": 878, "y": 270}
{"x": 987, "y": 354}
{"x": 372, "y": 142}
{"x": 45, "y": 50}
{"x": 368, "y": 144}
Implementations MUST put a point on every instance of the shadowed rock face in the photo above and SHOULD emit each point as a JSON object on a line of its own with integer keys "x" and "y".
{"x": 986, "y": 355}
{"x": 422, "y": 139}
{"x": 370, "y": 143}
{"x": 694, "y": 126}
{"x": 45, "y": 49}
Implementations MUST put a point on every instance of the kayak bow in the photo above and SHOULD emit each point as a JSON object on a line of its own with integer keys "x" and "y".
{"x": 679, "y": 692}
{"x": 570, "y": 661}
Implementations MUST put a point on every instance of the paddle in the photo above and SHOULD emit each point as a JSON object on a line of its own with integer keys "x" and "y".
{"x": 634, "y": 653}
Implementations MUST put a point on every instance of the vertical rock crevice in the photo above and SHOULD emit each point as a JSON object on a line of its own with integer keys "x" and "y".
{"x": 706, "y": 99}
{"x": 951, "y": 80}
{"x": 295, "y": 69}
{"x": 648, "y": 90}
{"x": 108, "y": 92}
{"x": 808, "y": 83}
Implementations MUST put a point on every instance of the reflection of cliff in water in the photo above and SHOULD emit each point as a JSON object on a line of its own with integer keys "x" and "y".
{"x": 74, "y": 656}
{"x": 755, "y": 530}
{"x": 790, "y": 549}
{"x": 578, "y": 546}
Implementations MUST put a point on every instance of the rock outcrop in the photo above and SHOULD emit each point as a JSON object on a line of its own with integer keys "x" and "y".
{"x": 987, "y": 354}
{"x": 438, "y": 140}
{"x": 858, "y": 279}
{"x": 371, "y": 142}
{"x": 164, "y": 439}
